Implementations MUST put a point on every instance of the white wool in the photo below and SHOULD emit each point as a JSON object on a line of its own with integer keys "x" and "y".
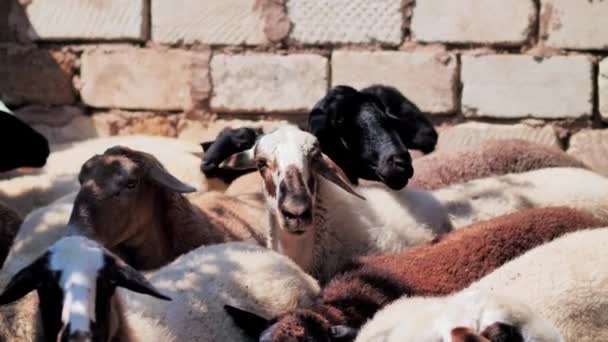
{"x": 386, "y": 222}
{"x": 59, "y": 176}
{"x": 486, "y": 198}
{"x": 566, "y": 281}
{"x": 78, "y": 260}
{"x": 201, "y": 282}
{"x": 39, "y": 230}
{"x": 145, "y": 329}
{"x": 432, "y": 319}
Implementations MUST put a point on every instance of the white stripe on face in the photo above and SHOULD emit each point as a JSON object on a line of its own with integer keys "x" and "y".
{"x": 79, "y": 261}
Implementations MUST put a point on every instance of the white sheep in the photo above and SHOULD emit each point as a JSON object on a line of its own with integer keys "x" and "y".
{"x": 467, "y": 314}
{"x": 58, "y": 177}
{"x": 566, "y": 281}
{"x": 199, "y": 283}
{"x": 321, "y": 226}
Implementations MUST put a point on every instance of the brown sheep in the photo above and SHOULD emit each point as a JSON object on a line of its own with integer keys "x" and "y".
{"x": 492, "y": 158}
{"x": 448, "y": 265}
{"x": 136, "y": 209}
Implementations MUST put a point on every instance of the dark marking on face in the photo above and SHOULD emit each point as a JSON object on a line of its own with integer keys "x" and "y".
{"x": 294, "y": 199}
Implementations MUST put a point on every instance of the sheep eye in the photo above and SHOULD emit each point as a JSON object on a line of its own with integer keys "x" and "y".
{"x": 131, "y": 184}
{"x": 261, "y": 163}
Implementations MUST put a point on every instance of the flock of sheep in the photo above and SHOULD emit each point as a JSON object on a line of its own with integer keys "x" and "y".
{"x": 339, "y": 236}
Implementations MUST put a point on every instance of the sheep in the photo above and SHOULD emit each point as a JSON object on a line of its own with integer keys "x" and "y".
{"x": 58, "y": 177}
{"x": 448, "y": 265}
{"x": 565, "y": 280}
{"x": 22, "y": 145}
{"x": 320, "y": 240}
{"x": 228, "y": 142}
{"x": 465, "y": 316}
{"x": 493, "y": 157}
{"x": 199, "y": 283}
{"x": 353, "y": 130}
{"x": 135, "y": 208}
{"x": 302, "y": 186}
{"x": 9, "y": 226}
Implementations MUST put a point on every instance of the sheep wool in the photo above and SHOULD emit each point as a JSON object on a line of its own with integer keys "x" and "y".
{"x": 482, "y": 199}
{"x": 201, "y": 282}
{"x": 491, "y": 158}
{"x": 440, "y": 268}
{"x": 566, "y": 281}
{"x": 429, "y": 319}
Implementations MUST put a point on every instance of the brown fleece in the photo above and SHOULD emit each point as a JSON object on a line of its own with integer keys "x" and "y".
{"x": 10, "y": 222}
{"x": 493, "y": 157}
{"x": 442, "y": 267}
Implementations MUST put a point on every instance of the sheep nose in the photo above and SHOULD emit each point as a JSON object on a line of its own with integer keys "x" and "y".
{"x": 395, "y": 170}
{"x": 297, "y": 208}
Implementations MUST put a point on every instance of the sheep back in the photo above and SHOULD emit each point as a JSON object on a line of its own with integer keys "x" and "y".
{"x": 482, "y": 199}
{"x": 201, "y": 282}
{"x": 566, "y": 281}
{"x": 491, "y": 158}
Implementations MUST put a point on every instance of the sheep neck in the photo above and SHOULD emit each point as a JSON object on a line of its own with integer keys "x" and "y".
{"x": 299, "y": 248}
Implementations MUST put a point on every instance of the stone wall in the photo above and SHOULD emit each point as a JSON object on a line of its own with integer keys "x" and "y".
{"x": 533, "y": 69}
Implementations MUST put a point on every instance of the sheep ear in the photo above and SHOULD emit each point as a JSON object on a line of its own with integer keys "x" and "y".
{"x": 25, "y": 281}
{"x": 339, "y": 332}
{"x": 253, "y": 326}
{"x": 502, "y": 332}
{"x": 463, "y": 334}
{"x": 333, "y": 173}
{"x": 163, "y": 178}
{"x": 205, "y": 145}
{"x": 240, "y": 161}
{"x": 125, "y": 276}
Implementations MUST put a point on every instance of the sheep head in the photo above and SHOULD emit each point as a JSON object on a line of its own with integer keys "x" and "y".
{"x": 76, "y": 280}
{"x": 359, "y": 132}
{"x": 227, "y": 143}
{"x": 119, "y": 192}
{"x": 298, "y": 326}
{"x": 289, "y": 161}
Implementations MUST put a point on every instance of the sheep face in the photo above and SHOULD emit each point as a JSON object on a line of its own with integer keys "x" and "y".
{"x": 289, "y": 160}
{"x": 23, "y": 146}
{"x": 115, "y": 186}
{"x": 228, "y": 142}
{"x": 358, "y": 132}
{"x": 76, "y": 280}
